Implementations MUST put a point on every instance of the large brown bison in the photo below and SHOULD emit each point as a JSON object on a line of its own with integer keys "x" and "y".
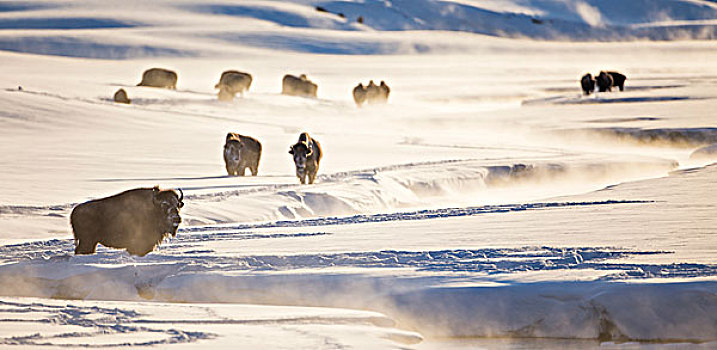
{"x": 618, "y": 80}
{"x": 300, "y": 86}
{"x": 231, "y": 83}
{"x": 136, "y": 220}
{"x": 307, "y": 155}
{"x": 159, "y": 77}
{"x": 587, "y": 83}
{"x": 241, "y": 152}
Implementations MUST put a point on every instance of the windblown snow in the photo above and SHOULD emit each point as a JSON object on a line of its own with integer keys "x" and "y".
{"x": 488, "y": 204}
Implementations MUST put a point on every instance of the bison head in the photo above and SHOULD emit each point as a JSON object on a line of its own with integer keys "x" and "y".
{"x": 301, "y": 151}
{"x": 168, "y": 203}
{"x": 232, "y": 150}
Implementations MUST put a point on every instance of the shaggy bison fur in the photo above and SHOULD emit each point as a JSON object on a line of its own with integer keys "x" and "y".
{"x": 307, "y": 155}
{"x": 231, "y": 83}
{"x": 241, "y": 152}
{"x": 587, "y": 83}
{"x": 618, "y": 80}
{"x": 159, "y": 77}
{"x": 604, "y": 82}
{"x": 136, "y": 220}
{"x": 298, "y": 86}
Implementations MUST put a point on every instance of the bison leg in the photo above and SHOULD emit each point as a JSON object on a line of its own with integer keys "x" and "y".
{"x": 241, "y": 169}
{"x": 85, "y": 247}
{"x": 622, "y": 87}
{"x": 254, "y": 169}
{"x": 312, "y": 177}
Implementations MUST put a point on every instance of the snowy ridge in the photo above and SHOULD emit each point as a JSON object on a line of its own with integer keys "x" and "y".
{"x": 393, "y": 188}
{"x": 426, "y": 214}
{"x": 182, "y": 274}
{"x": 41, "y": 28}
{"x": 415, "y": 185}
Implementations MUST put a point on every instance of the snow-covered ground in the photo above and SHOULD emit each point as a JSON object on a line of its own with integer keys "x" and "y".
{"x": 488, "y": 204}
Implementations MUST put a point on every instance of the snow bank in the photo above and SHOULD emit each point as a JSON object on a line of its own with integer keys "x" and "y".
{"x": 433, "y": 302}
{"x": 417, "y": 185}
{"x": 607, "y": 311}
{"x": 33, "y": 323}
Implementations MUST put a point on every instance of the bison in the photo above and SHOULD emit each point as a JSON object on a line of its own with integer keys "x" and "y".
{"x": 136, "y": 220}
{"x": 618, "y": 80}
{"x": 241, "y": 152}
{"x": 385, "y": 91}
{"x": 159, "y": 77}
{"x": 359, "y": 93}
{"x": 371, "y": 93}
{"x": 604, "y": 82}
{"x": 307, "y": 155}
{"x": 587, "y": 83}
{"x": 300, "y": 86}
{"x": 231, "y": 83}
{"x": 121, "y": 97}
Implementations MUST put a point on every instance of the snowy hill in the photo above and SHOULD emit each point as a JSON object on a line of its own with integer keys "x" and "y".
{"x": 184, "y": 27}
{"x": 488, "y": 204}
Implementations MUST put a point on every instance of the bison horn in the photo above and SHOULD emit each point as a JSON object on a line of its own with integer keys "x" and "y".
{"x": 181, "y": 194}
{"x": 155, "y": 192}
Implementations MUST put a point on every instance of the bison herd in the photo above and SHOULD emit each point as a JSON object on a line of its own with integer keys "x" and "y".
{"x": 139, "y": 219}
{"x": 371, "y": 93}
{"x": 605, "y": 81}
{"x": 233, "y": 82}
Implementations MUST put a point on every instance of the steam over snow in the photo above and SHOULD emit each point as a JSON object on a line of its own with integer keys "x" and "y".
{"x": 487, "y": 204}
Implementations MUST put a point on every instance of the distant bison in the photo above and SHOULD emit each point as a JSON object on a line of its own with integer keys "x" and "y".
{"x": 587, "y": 83}
{"x": 241, "y": 152}
{"x": 372, "y": 93}
{"x": 359, "y": 94}
{"x": 300, "y": 86}
{"x": 159, "y": 77}
{"x": 618, "y": 80}
{"x": 121, "y": 97}
{"x": 136, "y": 220}
{"x": 604, "y": 82}
{"x": 307, "y": 155}
{"x": 231, "y": 83}
{"x": 385, "y": 91}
